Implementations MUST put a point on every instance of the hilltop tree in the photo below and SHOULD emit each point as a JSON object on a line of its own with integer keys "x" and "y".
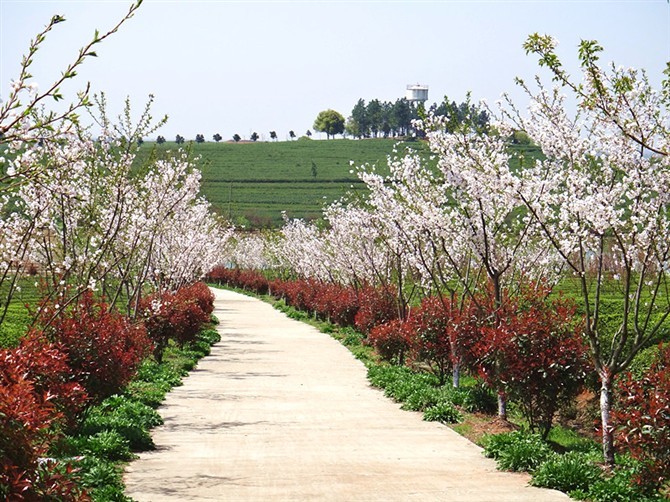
{"x": 179, "y": 139}
{"x": 236, "y": 138}
{"x": 254, "y": 136}
{"x": 330, "y": 122}
{"x": 462, "y": 116}
{"x": 402, "y": 114}
{"x": 291, "y": 134}
{"x": 273, "y": 135}
{"x": 160, "y": 140}
{"x": 352, "y": 128}
{"x": 217, "y": 137}
{"x": 308, "y": 133}
{"x": 199, "y": 138}
{"x": 374, "y": 115}
{"x": 359, "y": 123}
{"x": 386, "y": 118}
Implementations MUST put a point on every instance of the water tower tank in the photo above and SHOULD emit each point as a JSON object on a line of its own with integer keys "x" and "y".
{"x": 417, "y": 92}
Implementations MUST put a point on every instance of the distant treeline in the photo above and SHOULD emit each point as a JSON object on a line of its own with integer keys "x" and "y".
{"x": 391, "y": 119}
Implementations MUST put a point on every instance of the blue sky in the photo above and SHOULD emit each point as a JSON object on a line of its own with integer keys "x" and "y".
{"x": 240, "y": 66}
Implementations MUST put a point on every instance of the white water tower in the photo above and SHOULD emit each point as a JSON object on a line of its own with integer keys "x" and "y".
{"x": 416, "y": 93}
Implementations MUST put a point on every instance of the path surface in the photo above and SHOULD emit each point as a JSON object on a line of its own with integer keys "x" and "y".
{"x": 282, "y": 412}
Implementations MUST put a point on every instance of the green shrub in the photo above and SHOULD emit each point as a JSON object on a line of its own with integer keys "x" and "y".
{"x": 298, "y": 315}
{"x": 130, "y": 419}
{"x": 444, "y": 412}
{"x": 457, "y": 395}
{"x": 422, "y": 398}
{"x": 138, "y": 437}
{"x": 383, "y": 376}
{"x": 524, "y": 454}
{"x": 189, "y": 360}
{"x": 109, "y": 494}
{"x": 517, "y": 451}
{"x": 100, "y": 476}
{"x": 121, "y": 406}
{"x": 495, "y": 444}
{"x": 476, "y": 398}
{"x": 201, "y": 348}
{"x": 569, "y": 472}
{"x": 617, "y": 488}
{"x": 480, "y": 399}
{"x": 151, "y": 371}
{"x": 106, "y": 445}
{"x": 352, "y": 338}
{"x": 401, "y": 389}
{"x": 210, "y": 336}
{"x": 149, "y": 393}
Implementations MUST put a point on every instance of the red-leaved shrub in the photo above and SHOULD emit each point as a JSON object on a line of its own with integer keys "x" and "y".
{"x": 334, "y": 302}
{"x": 375, "y": 306}
{"x": 300, "y": 294}
{"x": 391, "y": 340}
{"x": 104, "y": 348}
{"x": 29, "y": 420}
{"x": 46, "y": 366}
{"x": 177, "y": 316}
{"x": 201, "y": 294}
{"x": 443, "y": 332}
{"x": 531, "y": 350}
{"x": 641, "y": 420}
{"x": 250, "y": 280}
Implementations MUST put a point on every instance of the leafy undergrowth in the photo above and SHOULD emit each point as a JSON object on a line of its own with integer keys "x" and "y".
{"x": 117, "y": 428}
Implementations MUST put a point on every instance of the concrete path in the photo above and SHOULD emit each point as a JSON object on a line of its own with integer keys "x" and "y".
{"x": 281, "y": 412}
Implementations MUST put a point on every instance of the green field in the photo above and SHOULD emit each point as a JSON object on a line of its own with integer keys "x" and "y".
{"x": 252, "y": 183}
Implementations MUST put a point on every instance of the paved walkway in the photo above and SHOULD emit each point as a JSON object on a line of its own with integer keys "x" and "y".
{"x": 281, "y": 412}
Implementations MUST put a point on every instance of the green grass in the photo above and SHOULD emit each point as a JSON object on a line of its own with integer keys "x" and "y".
{"x": 252, "y": 183}
{"x": 18, "y": 316}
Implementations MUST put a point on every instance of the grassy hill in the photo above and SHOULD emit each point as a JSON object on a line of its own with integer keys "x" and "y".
{"x": 252, "y": 183}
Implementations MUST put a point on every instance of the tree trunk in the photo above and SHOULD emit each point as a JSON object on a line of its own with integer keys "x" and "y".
{"x": 605, "y": 411}
{"x": 502, "y": 406}
{"x": 497, "y": 291}
{"x": 456, "y": 375}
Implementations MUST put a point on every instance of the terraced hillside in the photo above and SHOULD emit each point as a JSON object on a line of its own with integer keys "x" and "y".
{"x": 252, "y": 183}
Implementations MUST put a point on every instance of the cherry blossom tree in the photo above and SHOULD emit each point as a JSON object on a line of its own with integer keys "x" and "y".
{"x": 354, "y": 228}
{"x": 601, "y": 199}
{"x": 76, "y": 209}
{"x": 27, "y": 128}
{"x": 463, "y": 222}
